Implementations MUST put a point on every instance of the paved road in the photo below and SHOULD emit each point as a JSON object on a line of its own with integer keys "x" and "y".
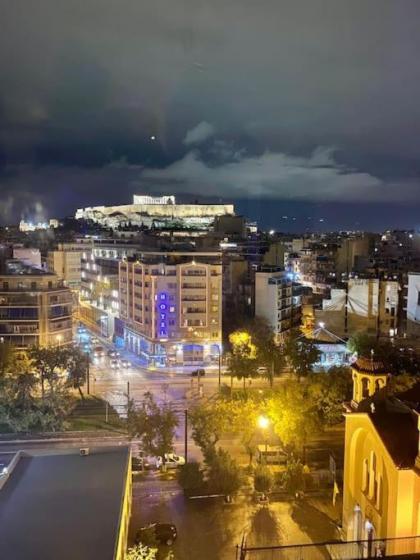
{"x": 209, "y": 528}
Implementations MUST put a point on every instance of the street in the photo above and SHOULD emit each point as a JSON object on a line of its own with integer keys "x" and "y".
{"x": 208, "y": 528}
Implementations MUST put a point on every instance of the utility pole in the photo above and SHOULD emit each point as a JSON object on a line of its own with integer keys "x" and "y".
{"x": 88, "y": 375}
{"x": 128, "y": 394}
{"x": 186, "y": 436}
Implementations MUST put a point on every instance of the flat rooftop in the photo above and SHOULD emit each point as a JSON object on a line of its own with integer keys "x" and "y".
{"x": 63, "y": 506}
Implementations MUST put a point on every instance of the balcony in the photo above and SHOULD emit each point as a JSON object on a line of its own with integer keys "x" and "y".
{"x": 193, "y": 286}
{"x": 402, "y": 547}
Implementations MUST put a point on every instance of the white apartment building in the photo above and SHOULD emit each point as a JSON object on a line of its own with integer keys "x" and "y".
{"x": 277, "y": 301}
{"x": 171, "y": 306}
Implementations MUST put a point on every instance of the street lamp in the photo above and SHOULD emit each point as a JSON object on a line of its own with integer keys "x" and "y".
{"x": 219, "y": 356}
{"x": 264, "y": 423}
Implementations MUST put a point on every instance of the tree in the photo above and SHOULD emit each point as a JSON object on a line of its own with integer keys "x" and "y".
{"x": 77, "y": 367}
{"x": 293, "y": 414}
{"x": 302, "y": 354}
{"x": 242, "y": 361}
{"x": 269, "y": 355}
{"x": 209, "y": 422}
{"x": 293, "y": 476}
{"x": 47, "y": 361}
{"x": 155, "y": 425}
{"x": 7, "y": 358}
{"x": 190, "y": 476}
{"x": 328, "y": 391}
{"x": 400, "y": 383}
{"x": 263, "y": 479}
{"x": 225, "y": 475}
{"x": 141, "y": 552}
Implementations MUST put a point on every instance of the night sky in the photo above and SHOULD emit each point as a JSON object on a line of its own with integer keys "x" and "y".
{"x": 308, "y": 109}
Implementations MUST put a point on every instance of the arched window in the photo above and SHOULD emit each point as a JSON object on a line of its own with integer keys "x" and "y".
{"x": 365, "y": 387}
{"x": 378, "y": 384}
{"x": 372, "y": 476}
{"x": 365, "y": 476}
{"x": 379, "y": 493}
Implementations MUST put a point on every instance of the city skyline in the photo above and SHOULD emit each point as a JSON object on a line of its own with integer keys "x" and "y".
{"x": 307, "y": 111}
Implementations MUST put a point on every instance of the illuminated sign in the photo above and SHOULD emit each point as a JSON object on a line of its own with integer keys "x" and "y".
{"x": 162, "y": 313}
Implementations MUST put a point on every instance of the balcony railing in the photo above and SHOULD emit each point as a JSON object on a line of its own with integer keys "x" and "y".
{"x": 402, "y": 547}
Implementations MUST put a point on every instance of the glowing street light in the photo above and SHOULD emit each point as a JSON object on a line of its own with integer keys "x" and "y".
{"x": 263, "y": 422}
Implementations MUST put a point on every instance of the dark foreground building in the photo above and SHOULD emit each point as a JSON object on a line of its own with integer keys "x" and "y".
{"x": 65, "y": 505}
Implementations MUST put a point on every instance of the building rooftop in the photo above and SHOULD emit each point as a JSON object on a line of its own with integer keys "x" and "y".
{"x": 368, "y": 365}
{"x": 63, "y": 506}
{"x": 395, "y": 420}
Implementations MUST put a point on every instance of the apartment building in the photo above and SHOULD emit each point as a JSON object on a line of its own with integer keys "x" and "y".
{"x": 277, "y": 300}
{"x": 65, "y": 261}
{"x": 99, "y": 297}
{"x": 35, "y": 307}
{"x": 171, "y": 306}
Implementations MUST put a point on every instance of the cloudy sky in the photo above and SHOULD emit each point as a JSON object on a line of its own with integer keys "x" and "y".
{"x": 301, "y": 108}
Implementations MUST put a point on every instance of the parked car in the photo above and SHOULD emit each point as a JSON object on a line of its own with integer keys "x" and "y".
{"x": 141, "y": 461}
{"x": 172, "y": 461}
{"x": 115, "y": 364}
{"x": 165, "y": 533}
{"x": 198, "y": 373}
{"x": 125, "y": 363}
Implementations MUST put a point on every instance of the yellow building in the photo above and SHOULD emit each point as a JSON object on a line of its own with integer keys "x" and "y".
{"x": 382, "y": 460}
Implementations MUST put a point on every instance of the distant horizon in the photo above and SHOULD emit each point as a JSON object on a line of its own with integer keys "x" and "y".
{"x": 284, "y": 216}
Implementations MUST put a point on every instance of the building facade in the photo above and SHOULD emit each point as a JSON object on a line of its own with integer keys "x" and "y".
{"x": 35, "y": 309}
{"x": 99, "y": 296}
{"x": 382, "y": 457}
{"x": 367, "y": 305}
{"x": 65, "y": 261}
{"x": 277, "y": 300}
{"x": 171, "y": 307}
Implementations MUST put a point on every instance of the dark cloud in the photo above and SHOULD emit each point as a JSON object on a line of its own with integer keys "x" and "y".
{"x": 265, "y": 86}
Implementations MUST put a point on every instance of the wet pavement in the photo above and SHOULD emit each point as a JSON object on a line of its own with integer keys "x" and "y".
{"x": 209, "y": 529}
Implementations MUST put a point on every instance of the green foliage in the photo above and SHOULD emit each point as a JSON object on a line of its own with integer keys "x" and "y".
{"x": 400, "y": 383}
{"x": 7, "y": 358}
{"x": 328, "y": 391}
{"x": 77, "y": 363}
{"x": 190, "y": 476}
{"x": 224, "y": 474}
{"x": 209, "y": 422}
{"x": 154, "y": 424}
{"x": 269, "y": 354}
{"x": 293, "y": 414}
{"x": 141, "y": 552}
{"x": 293, "y": 477}
{"x": 242, "y": 361}
{"x": 47, "y": 362}
{"x": 301, "y": 353}
{"x": 263, "y": 479}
